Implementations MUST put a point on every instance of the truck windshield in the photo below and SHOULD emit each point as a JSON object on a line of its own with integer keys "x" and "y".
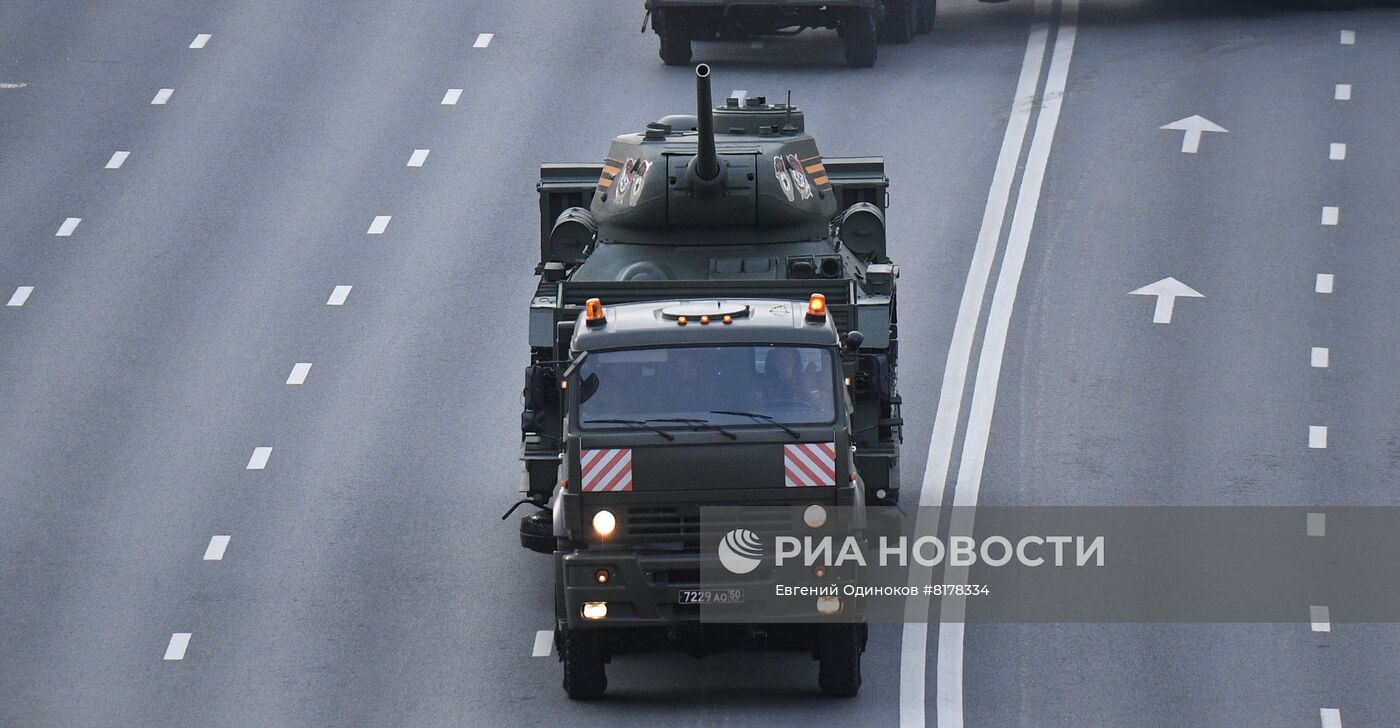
{"x": 728, "y": 385}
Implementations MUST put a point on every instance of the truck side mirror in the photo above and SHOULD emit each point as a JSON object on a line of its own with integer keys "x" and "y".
{"x": 852, "y": 340}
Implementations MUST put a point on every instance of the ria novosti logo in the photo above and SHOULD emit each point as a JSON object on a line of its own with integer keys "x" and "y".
{"x": 741, "y": 551}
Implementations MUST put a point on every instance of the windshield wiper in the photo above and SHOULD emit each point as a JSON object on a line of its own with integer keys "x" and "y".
{"x": 634, "y": 423}
{"x": 762, "y": 418}
{"x": 699, "y": 423}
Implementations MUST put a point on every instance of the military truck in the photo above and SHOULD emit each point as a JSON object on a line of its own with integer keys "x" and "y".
{"x": 862, "y": 24}
{"x": 715, "y": 304}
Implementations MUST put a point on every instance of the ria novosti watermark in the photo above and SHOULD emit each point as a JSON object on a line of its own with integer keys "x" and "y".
{"x": 1027, "y": 551}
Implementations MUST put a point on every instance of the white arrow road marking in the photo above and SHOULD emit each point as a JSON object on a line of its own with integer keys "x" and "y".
{"x": 338, "y": 296}
{"x": 1331, "y": 718}
{"x": 1320, "y": 357}
{"x": 1166, "y": 290}
{"x": 1317, "y": 524}
{"x": 179, "y": 642}
{"x": 68, "y": 226}
{"x": 1337, "y": 151}
{"x": 215, "y": 550}
{"x": 200, "y": 40}
{"x": 21, "y": 295}
{"x": 162, "y": 96}
{"x": 1348, "y": 37}
{"x": 1342, "y": 92}
{"x": 544, "y": 643}
{"x": 259, "y": 459}
{"x": 1194, "y": 126}
{"x": 1317, "y": 437}
{"x": 1321, "y": 619}
{"x": 117, "y": 160}
{"x": 1324, "y": 282}
{"x": 299, "y": 372}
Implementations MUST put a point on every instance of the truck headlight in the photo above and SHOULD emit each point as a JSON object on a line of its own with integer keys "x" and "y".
{"x": 828, "y": 605}
{"x": 604, "y": 523}
{"x": 814, "y": 516}
{"x": 595, "y": 610}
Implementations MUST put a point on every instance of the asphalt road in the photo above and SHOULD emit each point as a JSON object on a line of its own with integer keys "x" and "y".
{"x": 366, "y": 578}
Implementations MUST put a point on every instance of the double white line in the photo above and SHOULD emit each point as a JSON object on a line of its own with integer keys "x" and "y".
{"x": 914, "y": 647}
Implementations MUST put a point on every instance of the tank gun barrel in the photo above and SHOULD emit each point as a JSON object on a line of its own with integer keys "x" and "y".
{"x": 706, "y": 161}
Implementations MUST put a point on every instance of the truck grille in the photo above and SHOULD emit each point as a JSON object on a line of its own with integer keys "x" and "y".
{"x": 678, "y": 527}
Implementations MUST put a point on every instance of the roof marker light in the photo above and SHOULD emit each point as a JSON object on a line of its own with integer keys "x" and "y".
{"x": 728, "y": 319}
{"x": 593, "y": 312}
{"x": 704, "y": 319}
{"x": 816, "y": 308}
{"x": 680, "y": 321}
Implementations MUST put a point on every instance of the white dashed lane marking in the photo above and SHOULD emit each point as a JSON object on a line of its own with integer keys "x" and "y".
{"x": 1321, "y": 618}
{"x": 450, "y": 98}
{"x": 68, "y": 226}
{"x": 544, "y": 643}
{"x": 1331, "y": 718}
{"x": 1337, "y": 152}
{"x": 483, "y": 40}
{"x": 299, "y": 372}
{"x": 1324, "y": 282}
{"x": 1331, "y": 215}
{"x": 162, "y": 96}
{"x": 1348, "y": 37}
{"x": 1317, "y": 524}
{"x": 380, "y": 223}
{"x": 179, "y": 642}
{"x": 215, "y": 550}
{"x": 117, "y": 160}
{"x": 1317, "y": 437}
{"x": 1321, "y": 357}
{"x": 259, "y": 459}
{"x": 418, "y": 157}
{"x": 338, "y": 296}
{"x": 1343, "y": 92}
{"x": 20, "y": 295}
{"x": 200, "y": 40}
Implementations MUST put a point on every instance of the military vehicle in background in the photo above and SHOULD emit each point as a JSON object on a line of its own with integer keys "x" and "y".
{"x": 861, "y": 24}
{"x": 714, "y": 324}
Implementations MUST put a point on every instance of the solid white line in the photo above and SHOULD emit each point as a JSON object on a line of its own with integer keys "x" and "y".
{"x": 418, "y": 157}
{"x": 118, "y": 158}
{"x": 450, "y": 98}
{"x": 299, "y": 372}
{"x": 379, "y": 224}
{"x": 483, "y": 40}
{"x": 1331, "y": 718}
{"x": 1317, "y": 524}
{"x": 200, "y": 40}
{"x": 544, "y": 643}
{"x": 338, "y": 296}
{"x": 179, "y": 641}
{"x": 1337, "y": 151}
{"x": 1348, "y": 37}
{"x": 914, "y": 640}
{"x": 215, "y": 550}
{"x": 21, "y": 295}
{"x": 1317, "y": 437}
{"x": 259, "y": 459}
{"x": 1321, "y": 619}
{"x": 1320, "y": 357}
{"x": 1324, "y": 282}
{"x": 162, "y": 96}
{"x": 1331, "y": 215}
{"x": 1343, "y": 92}
{"x": 68, "y": 226}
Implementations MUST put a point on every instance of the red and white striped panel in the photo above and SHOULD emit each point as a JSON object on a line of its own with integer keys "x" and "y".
{"x": 606, "y": 470}
{"x": 809, "y": 465}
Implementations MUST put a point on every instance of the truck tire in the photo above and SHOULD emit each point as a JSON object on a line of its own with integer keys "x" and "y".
{"x": 859, "y": 35}
{"x": 581, "y": 651}
{"x": 838, "y": 657}
{"x": 675, "y": 38}
{"x": 901, "y": 18}
{"x": 927, "y": 10}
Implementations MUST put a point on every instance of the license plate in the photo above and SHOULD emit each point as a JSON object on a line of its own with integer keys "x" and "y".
{"x": 711, "y": 596}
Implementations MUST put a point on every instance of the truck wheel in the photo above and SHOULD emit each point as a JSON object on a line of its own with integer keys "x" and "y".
{"x": 859, "y": 35}
{"x": 927, "y": 9}
{"x": 838, "y": 654}
{"x": 900, "y": 18}
{"x": 675, "y": 39}
{"x": 581, "y": 651}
